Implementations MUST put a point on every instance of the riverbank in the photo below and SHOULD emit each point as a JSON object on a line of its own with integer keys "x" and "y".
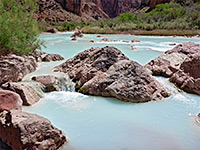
{"x": 188, "y": 33}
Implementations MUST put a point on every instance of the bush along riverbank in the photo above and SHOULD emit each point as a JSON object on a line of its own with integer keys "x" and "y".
{"x": 18, "y": 57}
{"x": 166, "y": 19}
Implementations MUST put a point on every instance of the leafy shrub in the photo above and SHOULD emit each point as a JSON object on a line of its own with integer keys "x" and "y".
{"x": 18, "y": 28}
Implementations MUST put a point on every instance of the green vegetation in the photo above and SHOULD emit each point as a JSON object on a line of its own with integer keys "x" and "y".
{"x": 165, "y": 17}
{"x": 61, "y": 26}
{"x": 18, "y": 28}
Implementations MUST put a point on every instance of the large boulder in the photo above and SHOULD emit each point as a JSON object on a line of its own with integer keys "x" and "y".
{"x": 14, "y": 68}
{"x": 9, "y": 100}
{"x": 126, "y": 80}
{"x": 25, "y": 131}
{"x": 85, "y": 65}
{"x": 30, "y": 92}
{"x": 182, "y": 65}
{"x": 188, "y": 76}
{"x": 108, "y": 72}
{"x": 169, "y": 62}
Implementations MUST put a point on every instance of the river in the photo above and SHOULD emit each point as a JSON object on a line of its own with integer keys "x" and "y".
{"x": 98, "y": 123}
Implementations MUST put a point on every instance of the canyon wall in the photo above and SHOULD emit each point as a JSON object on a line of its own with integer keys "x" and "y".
{"x": 90, "y": 10}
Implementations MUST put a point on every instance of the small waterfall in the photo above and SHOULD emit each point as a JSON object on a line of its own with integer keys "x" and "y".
{"x": 170, "y": 87}
{"x": 64, "y": 83}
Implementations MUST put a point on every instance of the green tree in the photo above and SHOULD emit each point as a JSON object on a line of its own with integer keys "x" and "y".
{"x": 18, "y": 28}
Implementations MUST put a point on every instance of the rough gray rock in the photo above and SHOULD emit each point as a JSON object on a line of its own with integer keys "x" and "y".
{"x": 25, "y": 131}
{"x": 108, "y": 72}
{"x": 126, "y": 80}
{"x": 85, "y": 65}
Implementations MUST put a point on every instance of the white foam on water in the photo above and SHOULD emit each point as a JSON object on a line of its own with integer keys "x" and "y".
{"x": 187, "y": 99}
{"x": 70, "y": 100}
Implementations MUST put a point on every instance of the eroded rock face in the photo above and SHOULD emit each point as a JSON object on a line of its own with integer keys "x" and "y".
{"x": 51, "y": 11}
{"x": 108, "y": 72}
{"x": 9, "y": 100}
{"x": 27, "y": 92}
{"x": 181, "y": 64}
{"x": 14, "y": 68}
{"x": 25, "y": 131}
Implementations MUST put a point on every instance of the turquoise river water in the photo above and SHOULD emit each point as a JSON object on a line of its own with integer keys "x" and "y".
{"x": 98, "y": 123}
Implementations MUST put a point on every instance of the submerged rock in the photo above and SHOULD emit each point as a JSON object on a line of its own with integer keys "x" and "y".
{"x": 108, "y": 72}
{"x": 30, "y": 92}
{"x": 23, "y": 131}
{"x": 182, "y": 65}
{"x": 14, "y": 68}
{"x": 9, "y": 100}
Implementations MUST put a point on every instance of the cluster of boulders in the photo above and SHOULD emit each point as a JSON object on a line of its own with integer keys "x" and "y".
{"x": 181, "y": 64}
{"x": 18, "y": 129}
{"x": 14, "y": 68}
{"x": 108, "y": 72}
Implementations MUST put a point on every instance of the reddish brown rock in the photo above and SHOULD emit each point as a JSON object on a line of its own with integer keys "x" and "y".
{"x": 9, "y": 100}
{"x": 23, "y": 131}
{"x": 30, "y": 92}
{"x": 108, "y": 72}
{"x": 14, "y": 68}
{"x": 51, "y": 11}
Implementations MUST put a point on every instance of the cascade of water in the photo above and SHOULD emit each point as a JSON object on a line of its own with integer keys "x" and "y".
{"x": 64, "y": 82}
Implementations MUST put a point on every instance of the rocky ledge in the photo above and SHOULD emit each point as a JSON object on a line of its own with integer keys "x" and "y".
{"x": 182, "y": 65}
{"x": 23, "y": 131}
{"x": 108, "y": 72}
{"x": 14, "y": 68}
